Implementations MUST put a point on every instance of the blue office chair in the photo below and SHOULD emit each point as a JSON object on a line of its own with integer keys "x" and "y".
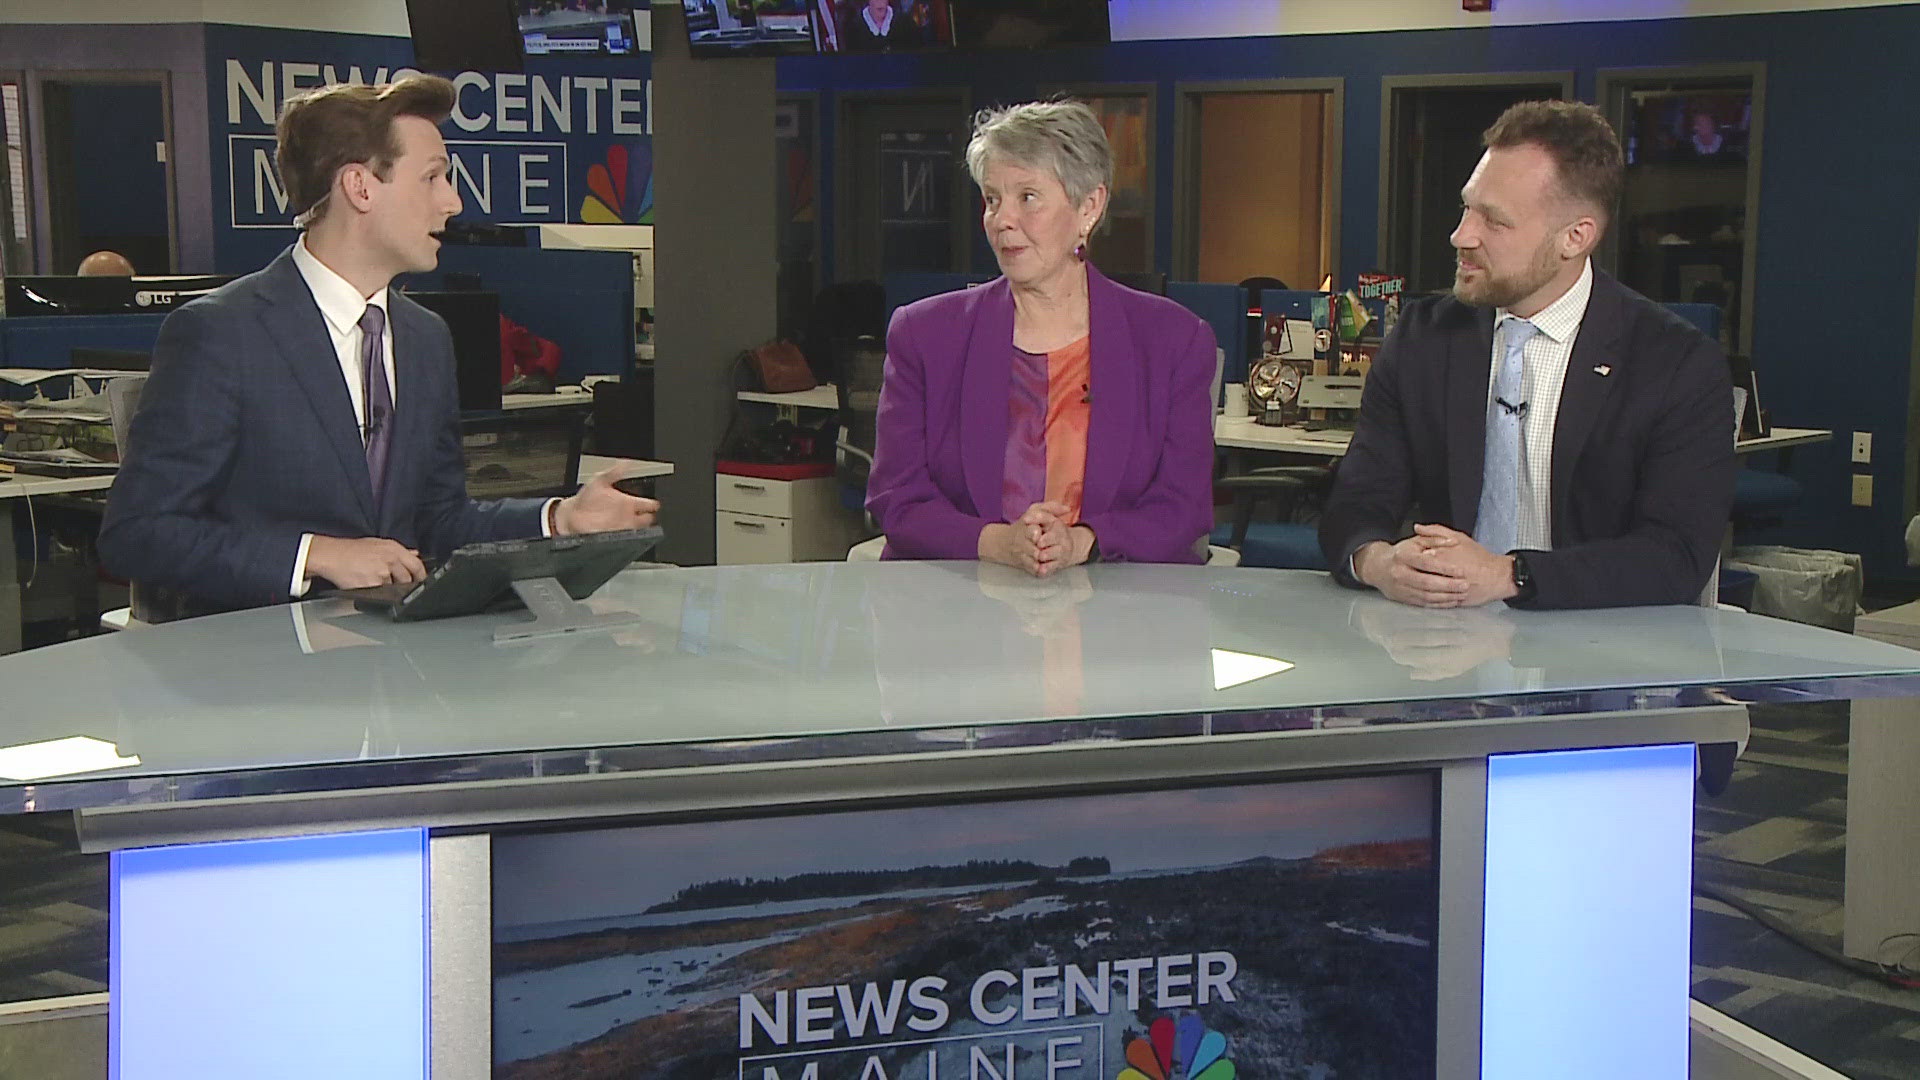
{"x": 1705, "y": 317}
{"x": 1283, "y": 543}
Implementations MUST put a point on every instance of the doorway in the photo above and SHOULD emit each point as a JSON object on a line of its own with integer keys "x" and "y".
{"x": 902, "y": 189}
{"x": 109, "y": 181}
{"x": 1430, "y": 141}
{"x": 1257, "y": 191}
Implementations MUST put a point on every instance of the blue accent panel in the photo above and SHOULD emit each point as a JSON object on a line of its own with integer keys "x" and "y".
{"x": 46, "y": 341}
{"x": 296, "y": 958}
{"x": 1704, "y": 317}
{"x": 1588, "y": 907}
{"x": 581, "y": 300}
{"x": 1224, "y": 307}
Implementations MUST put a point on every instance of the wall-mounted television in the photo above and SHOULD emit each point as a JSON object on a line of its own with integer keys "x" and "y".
{"x": 872, "y": 26}
{"x": 1688, "y": 126}
{"x": 465, "y": 35}
{"x": 1029, "y": 24}
{"x": 748, "y": 27}
{"x": 579, "y": 27}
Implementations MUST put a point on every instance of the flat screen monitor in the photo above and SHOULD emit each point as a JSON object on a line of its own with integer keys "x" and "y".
{"x": 1708, "y": 127}
{"x": 74, "y": 295}
{"x": 474, "y": 320}
{"x": 465, "y": 35}
{"x": 871, "y": 26}
{"x": 579, "y": 27}
{"x": 1029, "y": 24}
{"x": 720, "y": 28}
{"x": 1264, "y": 929}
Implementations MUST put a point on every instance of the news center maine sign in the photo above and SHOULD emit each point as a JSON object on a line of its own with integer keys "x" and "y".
{"x": 568, "y": 140}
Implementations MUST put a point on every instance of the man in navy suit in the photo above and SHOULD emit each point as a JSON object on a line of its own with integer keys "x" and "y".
{"x": 300, "y": 426}
{"x": 1558, "y": 440}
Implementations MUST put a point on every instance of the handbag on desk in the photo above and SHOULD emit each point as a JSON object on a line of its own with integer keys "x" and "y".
{"x": 777, "y": 367}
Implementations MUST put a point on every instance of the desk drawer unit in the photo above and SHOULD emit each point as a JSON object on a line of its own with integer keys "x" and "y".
{"x": 766, "y": 521}
{"x": 752, "y": 495}
{"x": 740, "y": 539}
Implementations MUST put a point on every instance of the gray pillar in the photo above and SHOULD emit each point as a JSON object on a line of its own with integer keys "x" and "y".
{"x": 715, "y": 258}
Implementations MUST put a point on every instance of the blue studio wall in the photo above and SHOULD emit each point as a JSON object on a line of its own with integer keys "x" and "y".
{"x": 1837, "y": 223}
{"x": 570, "y": 139}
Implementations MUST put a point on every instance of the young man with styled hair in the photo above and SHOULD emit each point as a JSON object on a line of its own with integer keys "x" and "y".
{"x": 1555, "y": 439}
{"x": 301, "y": 425}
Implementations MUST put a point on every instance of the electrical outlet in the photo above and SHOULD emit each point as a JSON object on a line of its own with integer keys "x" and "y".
{"x": 1863, "y": 448}
{"x": 1862, "y": 490}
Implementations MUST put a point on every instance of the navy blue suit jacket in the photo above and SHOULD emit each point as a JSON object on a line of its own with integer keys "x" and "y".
{"x": 1643, "y": 457}
{"x": 246, "y": 438}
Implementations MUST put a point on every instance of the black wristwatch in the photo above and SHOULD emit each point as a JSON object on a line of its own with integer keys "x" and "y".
{"x": 1523, "y": 583}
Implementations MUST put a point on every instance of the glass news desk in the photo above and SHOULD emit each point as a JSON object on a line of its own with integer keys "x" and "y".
{"x": 323, "y": 822}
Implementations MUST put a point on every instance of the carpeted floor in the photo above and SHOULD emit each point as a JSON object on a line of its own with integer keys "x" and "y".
{"x": 1777, "y": 839}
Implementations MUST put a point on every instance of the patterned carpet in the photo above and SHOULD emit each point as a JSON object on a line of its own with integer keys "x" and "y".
{"x": 1775, "y": 838}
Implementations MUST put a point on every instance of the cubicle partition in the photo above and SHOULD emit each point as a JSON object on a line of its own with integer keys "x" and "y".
{"x": 48, "y": 341}
{"x": 580, "y": 300}
{"x": 788, "y": 825}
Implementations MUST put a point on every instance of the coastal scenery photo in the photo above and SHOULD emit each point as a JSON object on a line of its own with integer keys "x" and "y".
{"x": 1274, "y": 930}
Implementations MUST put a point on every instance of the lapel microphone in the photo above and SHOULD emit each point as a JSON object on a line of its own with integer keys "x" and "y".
{"x": 1519, "y": 410}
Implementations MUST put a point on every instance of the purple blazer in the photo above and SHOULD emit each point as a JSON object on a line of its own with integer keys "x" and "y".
{"x": 942, "y": 425}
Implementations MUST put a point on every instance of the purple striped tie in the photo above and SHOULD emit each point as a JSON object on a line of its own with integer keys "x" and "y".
{"x": 378, "y": 430}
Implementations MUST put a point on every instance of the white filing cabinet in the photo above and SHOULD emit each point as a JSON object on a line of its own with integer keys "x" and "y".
{"x": 1883, "y": 803}
{"x": 777, "y": 521}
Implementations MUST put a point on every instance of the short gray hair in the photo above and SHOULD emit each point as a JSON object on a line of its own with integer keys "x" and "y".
{"x": 1062, "y": 136}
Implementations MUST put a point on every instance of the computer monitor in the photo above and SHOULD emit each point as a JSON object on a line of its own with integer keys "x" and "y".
{"x": 851, "y": 26}
{"x": 474, "y": 319}
{"x": 66, "y": 294}
{"x": 589, "y": 28}
{"x": 719, "y": 28}
{"x": 1029, "y": 24}
{"x": 465, "y": 35}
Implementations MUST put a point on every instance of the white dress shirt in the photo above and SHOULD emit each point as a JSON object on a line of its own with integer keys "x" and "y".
{"x": 1544, "y": 364}
{"x": 341, "y": 307}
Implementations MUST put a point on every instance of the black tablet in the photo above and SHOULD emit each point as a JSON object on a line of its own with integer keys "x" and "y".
{"x": 477, "y": 576}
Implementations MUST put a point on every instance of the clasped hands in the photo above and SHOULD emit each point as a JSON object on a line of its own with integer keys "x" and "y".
{"x": 361, "y": 562}
{"x": 1039, "y": 542}
{"x": 1435, "y": 567}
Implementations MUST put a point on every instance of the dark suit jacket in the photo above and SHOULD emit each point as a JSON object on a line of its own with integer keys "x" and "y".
{"x": 1643, "y": 464}
{"x": 246, "y": 439}
{"x": 941, "y": 439}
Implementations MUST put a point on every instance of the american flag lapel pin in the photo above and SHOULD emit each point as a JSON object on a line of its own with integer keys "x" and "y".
{"x": 1603, "y": 370}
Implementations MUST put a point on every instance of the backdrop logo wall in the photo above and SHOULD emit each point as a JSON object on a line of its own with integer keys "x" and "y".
{"x": 516, "y": 167}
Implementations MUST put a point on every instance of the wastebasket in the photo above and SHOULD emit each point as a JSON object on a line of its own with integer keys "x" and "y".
{"x": 1821, "y": 588}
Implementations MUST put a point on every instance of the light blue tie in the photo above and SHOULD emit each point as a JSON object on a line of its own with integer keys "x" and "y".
{"x": 1497, "y": 527}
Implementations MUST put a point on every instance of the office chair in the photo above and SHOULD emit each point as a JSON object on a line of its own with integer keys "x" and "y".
{"x": 841, "y": 312}
{"x": 530, "y": 454}
{"x": 123, "y": 401}
{"x": 147, "y": 604}
{"x": 861, "y": 365}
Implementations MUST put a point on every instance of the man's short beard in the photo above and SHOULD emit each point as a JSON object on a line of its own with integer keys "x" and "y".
{"x": 1505, "y": 292}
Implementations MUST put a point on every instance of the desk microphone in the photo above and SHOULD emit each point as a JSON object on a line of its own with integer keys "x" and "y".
{"x": 1512, "y": 409}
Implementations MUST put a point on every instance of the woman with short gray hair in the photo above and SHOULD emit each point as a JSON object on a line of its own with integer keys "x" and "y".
{"x": 1050, "y": 417}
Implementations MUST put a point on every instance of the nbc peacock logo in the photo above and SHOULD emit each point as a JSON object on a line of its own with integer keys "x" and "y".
{"x": 1188, "y": 1050}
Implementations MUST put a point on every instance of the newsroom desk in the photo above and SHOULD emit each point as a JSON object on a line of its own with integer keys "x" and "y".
{"x": 1244, "y": 433}
{"x": 355, "y": 755}
{"x": 17, "y": 492}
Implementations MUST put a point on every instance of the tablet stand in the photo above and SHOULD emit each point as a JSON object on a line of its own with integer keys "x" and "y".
{"x": 555, "y": 613}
